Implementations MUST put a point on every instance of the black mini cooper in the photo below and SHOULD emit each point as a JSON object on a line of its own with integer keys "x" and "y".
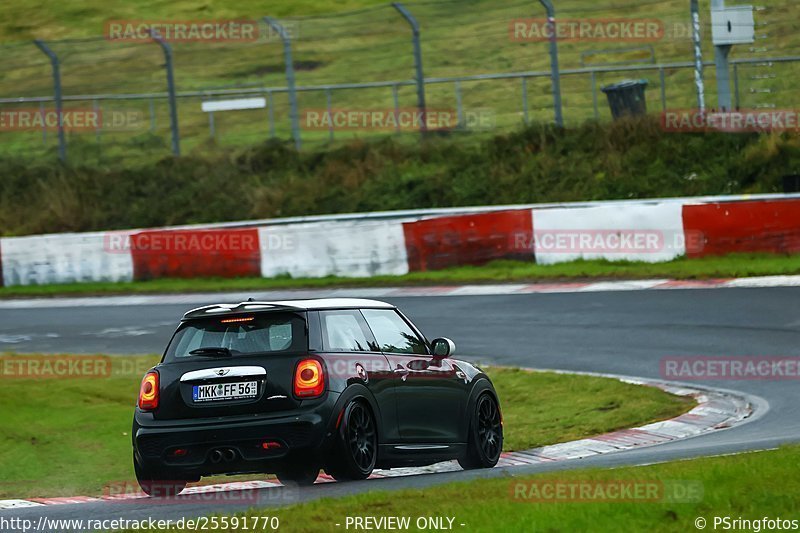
{"x": 290, "y": 387}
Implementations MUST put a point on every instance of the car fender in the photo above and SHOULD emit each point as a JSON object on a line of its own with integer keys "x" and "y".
{"x": 352, "y": 392}
{"x": 480, "y": 384}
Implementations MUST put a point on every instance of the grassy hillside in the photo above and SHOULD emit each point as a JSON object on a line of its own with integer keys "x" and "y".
{"x": 353, "y": 41}
{"x": 628, "y": 159}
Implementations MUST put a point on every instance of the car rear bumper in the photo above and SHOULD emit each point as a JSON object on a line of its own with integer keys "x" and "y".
{"x": 252, "y": 445}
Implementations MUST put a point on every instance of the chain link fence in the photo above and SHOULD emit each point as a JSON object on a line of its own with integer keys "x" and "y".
{"x": 486, "y": 69}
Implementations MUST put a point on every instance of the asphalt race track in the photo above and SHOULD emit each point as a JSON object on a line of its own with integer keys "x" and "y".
{"x": 612, "y": 332}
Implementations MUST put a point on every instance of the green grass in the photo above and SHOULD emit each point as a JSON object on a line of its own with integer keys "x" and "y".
{"x": 371, "y": 45}
{"x": 748, "y": 486}
{"x": 67, "y": 437}
{"x": 544, "y": 408}
{"x": 85, "y": 18}
{"x": 501, "y": 271}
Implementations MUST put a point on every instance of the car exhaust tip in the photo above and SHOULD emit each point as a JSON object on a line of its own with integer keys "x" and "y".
{"x": 216, "y": 456}
{"x": 229, "y": 455}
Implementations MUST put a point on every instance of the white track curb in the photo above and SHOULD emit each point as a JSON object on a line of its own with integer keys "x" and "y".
{"x": 403, "y": 292}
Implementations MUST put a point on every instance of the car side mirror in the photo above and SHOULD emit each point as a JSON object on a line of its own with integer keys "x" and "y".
{"x": 442, "y": 348}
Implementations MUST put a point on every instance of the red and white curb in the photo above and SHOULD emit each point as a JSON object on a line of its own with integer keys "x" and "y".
{"x": 715, "y": 410}
{"x": 402, "y": 292}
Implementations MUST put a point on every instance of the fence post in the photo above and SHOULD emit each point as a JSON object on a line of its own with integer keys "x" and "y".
{"x": 459, "y": 107}
{"x": 173, "y": 102}
{"x": 271, "y": 114}
{"x": 555, "y": 74}
{"x": 329, "y": 105}
{"x": 99, "y": 127}
{"x": 44, "y": 124}
{"x": 56, "y": 65}
{"x": 396, "y": 102}
{"x": 525, "y": 100}
{"x": 723, "y": 71}
{"x": 417, "y": 62}
{"x": 287, "y": 58}
{"x": 698, "y": 57}
{"x": 152, "y": 109}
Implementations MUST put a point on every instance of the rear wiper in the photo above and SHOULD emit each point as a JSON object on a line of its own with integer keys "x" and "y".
{"x": 212, "y": 351}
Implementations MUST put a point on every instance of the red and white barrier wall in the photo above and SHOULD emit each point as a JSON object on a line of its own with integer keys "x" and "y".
{"x": 652, "y": 231}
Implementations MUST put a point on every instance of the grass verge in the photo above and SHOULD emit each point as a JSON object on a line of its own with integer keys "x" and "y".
{"x": 745, "y": 487}
{"x": 502, "y": 271}
{"x": 67, "y": 437}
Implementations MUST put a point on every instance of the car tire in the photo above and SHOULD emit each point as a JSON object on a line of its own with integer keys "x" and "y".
{"x": 356, "y": 447}
{"x": 485, "y": 438}
{"x": 156, "y": 486}
{"x": 303, "y": 475}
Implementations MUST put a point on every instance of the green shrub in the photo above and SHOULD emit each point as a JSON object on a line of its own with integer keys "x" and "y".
{"x": 625, "y": 159}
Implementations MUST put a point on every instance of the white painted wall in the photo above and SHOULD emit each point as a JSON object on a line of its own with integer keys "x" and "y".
{"x": 65, "y": 258}
{"x": 663, "y": 221}
{"x": 352, "y": 249}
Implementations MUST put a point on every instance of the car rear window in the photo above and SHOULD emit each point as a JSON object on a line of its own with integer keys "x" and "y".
{"x": 242, "y": 335}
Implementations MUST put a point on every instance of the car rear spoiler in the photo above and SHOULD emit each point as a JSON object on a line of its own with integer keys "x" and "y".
{"x": 243, "y": 307}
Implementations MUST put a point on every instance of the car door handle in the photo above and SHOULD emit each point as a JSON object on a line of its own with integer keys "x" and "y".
{"x": 401, "y": 370}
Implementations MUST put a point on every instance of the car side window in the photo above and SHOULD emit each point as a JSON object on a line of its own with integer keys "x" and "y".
{"x": 344, "y": 331}
{"x": 393, "y": 334}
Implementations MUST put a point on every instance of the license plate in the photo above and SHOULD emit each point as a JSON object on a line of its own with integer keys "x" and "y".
{"x": 225, "y": 391}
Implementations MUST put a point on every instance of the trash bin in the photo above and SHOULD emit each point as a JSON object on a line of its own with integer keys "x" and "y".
{"x": 626, "y": 98}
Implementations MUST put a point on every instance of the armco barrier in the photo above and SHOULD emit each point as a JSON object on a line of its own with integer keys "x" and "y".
{"x": 62, "y": 258}
{"x": 440, "y": 242}
{"x": 392, "y": 245}
{"x": 352, "y": 249}
{"x": 660, "y": 220}
{"x": 771, "y": 226}
{"x": 195, "y": 253}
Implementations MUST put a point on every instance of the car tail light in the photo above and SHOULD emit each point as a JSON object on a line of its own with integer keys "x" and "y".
{"x": 148, "y": 392}
{"x": 309, "y": 382}
{"x": 234, "y": 320}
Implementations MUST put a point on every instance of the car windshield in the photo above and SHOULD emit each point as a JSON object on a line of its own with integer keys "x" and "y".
{"x": 240, "y": 335}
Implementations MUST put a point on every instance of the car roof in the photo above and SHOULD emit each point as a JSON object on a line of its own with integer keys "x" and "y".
{"x": 253, "y": 306}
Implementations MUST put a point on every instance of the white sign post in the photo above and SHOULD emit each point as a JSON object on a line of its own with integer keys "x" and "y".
{"x": 212, "y": 106}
